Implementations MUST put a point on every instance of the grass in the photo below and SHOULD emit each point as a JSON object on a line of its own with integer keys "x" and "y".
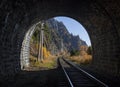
{"x": 85, "y": 59}
{"x": 48, "y": 63}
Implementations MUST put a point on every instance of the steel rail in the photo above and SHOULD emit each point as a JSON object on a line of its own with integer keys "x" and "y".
{"x": 68, "y": 78}
{"x": 86, "y": 73}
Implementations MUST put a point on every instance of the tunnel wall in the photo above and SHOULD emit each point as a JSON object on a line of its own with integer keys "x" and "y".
{"x": 25, "y": 49}
{"x": 101, "y": 19}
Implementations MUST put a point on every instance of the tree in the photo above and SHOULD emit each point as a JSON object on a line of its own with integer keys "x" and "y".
{"x": 40, "y": 44}
{"x": 89, "y": 50}
{"x": 74, "y": 52}
{"x": 35, "y": 36}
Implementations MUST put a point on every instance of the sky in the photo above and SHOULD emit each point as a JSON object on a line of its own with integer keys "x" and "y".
{"x": 75, "y": 28}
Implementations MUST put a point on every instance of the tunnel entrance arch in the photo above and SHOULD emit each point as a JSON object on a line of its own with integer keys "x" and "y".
{"x": 25, "y": 49}
{"x": 98, "y": 17}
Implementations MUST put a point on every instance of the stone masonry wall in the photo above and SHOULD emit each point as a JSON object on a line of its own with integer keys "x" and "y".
{"x": 101, "y": 18}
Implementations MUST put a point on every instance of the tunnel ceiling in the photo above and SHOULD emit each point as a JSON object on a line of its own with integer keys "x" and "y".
{"x": 101, "y": 18}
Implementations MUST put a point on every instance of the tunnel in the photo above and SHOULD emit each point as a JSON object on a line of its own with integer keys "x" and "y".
{"x": 101, "y": 19}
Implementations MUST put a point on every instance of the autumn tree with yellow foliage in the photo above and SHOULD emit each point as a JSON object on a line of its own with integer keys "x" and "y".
{"x": 34, "y": 45}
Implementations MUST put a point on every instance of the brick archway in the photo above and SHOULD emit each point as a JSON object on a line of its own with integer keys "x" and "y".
{"x": 100, "y": 18}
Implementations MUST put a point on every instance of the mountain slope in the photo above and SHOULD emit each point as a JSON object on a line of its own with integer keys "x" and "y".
{"x": 61, "y": 39}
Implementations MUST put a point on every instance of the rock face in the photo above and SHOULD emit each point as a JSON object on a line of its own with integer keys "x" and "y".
{"x": 61, "y": 37}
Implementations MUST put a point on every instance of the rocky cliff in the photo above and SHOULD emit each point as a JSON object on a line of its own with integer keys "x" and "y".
{"x": 61, "y": 39}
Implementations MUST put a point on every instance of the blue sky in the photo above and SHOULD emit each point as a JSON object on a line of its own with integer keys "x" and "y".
{"x": 75, "y": 28}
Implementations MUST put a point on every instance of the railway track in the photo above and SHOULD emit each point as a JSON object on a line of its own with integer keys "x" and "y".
{"x": 76, "y": 77}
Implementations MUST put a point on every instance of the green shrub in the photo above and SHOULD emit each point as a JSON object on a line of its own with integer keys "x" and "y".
{"x": 75, "y": 53}
{"x": 89, "y": 50}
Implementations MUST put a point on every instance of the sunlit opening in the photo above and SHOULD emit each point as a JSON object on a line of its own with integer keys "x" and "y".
{"x": 53, "y": 38}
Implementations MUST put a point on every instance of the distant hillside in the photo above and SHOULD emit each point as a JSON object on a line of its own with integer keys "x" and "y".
{"x": 56, "y": 38}
{"x": 61, "y": 39}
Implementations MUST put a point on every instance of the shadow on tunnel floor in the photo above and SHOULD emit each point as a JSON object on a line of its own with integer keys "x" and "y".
{"x": 42, "y": 78}
{"x": 110, "y": 80}
{"x": 49, "y": 78}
